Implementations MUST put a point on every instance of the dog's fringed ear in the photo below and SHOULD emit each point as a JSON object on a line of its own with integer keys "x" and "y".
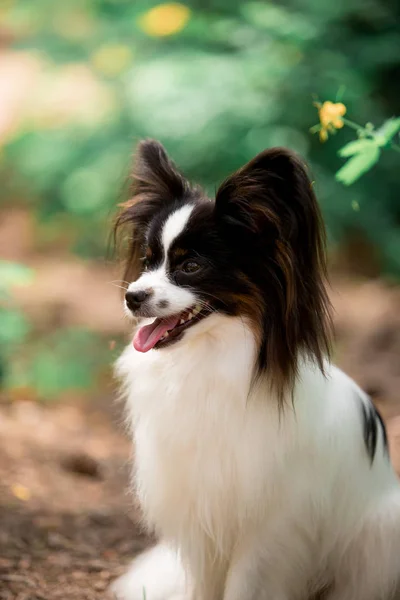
{"x": 155, "y": 174}
{"x": 154, "y": 182}
{"x": 271, "y": 202}
{"x": 268, "y": 208}
{"x": 273, "y": 191}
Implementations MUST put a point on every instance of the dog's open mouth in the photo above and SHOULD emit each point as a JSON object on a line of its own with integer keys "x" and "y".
{"x": 165, "y": 331}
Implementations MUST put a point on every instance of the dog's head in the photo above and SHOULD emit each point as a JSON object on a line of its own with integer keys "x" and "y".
{"x": 255, "y": 252}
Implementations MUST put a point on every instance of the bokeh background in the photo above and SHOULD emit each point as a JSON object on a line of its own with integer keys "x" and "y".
{"x": 216, "y": 81}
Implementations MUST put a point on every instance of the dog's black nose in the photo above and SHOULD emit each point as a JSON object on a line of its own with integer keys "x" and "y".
{"x": 135, "y": 299}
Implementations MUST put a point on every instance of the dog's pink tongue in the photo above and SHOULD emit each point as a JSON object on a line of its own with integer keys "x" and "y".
{"x": 148, "y": 336}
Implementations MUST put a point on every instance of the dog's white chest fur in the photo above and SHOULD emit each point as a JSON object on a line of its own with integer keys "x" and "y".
{"x": 209, "y": 456}
{"x": 215, "y": 465}
{"x": 194, "y": 432}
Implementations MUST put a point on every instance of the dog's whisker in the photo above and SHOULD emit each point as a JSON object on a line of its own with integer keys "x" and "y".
{"x": 118, "y": 286}
{"x": 120, "y": 281}
{"x": 214, "y": 297}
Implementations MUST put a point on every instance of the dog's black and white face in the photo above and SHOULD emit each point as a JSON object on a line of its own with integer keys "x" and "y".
{"x": 255, "y": 252}
{"x": 182, "y": 264}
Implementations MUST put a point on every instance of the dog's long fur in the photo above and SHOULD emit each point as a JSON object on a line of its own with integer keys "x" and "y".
{"x": 263, "y": 468}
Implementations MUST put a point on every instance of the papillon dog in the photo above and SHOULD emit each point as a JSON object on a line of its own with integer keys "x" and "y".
{"x": 262, "y": 468}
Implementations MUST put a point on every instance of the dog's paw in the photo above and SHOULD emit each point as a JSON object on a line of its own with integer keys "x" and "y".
{"x": 155, "y": 575}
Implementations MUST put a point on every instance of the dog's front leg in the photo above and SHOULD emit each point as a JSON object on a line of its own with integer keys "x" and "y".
{"x": 269, "y": 567}
{"x": 210, "y": 589}
{"x": 209, "y": 576}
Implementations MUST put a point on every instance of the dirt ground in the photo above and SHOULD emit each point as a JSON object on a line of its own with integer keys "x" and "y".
{"x": 68, "y": 525}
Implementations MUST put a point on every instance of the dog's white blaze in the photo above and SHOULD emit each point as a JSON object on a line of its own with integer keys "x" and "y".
{"x": 179, "y": 299}
{"x": 173, "y": 226}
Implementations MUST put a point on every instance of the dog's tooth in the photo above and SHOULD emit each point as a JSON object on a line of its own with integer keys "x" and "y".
{"x": 190, "y": 316}
{"x": 166, "y": 334}
{"x": 181, "y": 321}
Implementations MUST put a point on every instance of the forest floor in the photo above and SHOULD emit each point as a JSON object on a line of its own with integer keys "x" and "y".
{"x": 68, "y": 525}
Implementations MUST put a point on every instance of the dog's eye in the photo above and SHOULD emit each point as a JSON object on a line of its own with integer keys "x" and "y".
{"x": 145, "y": 263}
{"x": 190, "y": 266}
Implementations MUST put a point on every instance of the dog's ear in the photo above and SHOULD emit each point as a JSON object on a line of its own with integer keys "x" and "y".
{"x": 269, "y": 208}
{"x": 271, "y": 203}
{"x": 155, "y": 174}
{"x": 272, "y": 191}
{"x": 155, "y": 181}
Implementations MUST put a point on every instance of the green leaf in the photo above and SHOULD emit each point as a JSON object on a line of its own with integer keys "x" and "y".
{"x": 358, "y": 165}
{"x": 357, "y": 147}
{"x": 389, "y": 129}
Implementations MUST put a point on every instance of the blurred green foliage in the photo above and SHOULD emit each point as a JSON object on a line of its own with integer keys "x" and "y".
{"x": 68, "y": 359}
{"x": 233, "y": 78}
{"x": 216, "y": 81}
{"x": 45, "y": 365}
{"x": 14, "y": 327}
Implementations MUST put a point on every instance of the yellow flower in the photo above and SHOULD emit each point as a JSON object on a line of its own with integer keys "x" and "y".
{"x": 323, "y": 134}
{"x": 165, "y": 19}
{"x": 330, "y": 116}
